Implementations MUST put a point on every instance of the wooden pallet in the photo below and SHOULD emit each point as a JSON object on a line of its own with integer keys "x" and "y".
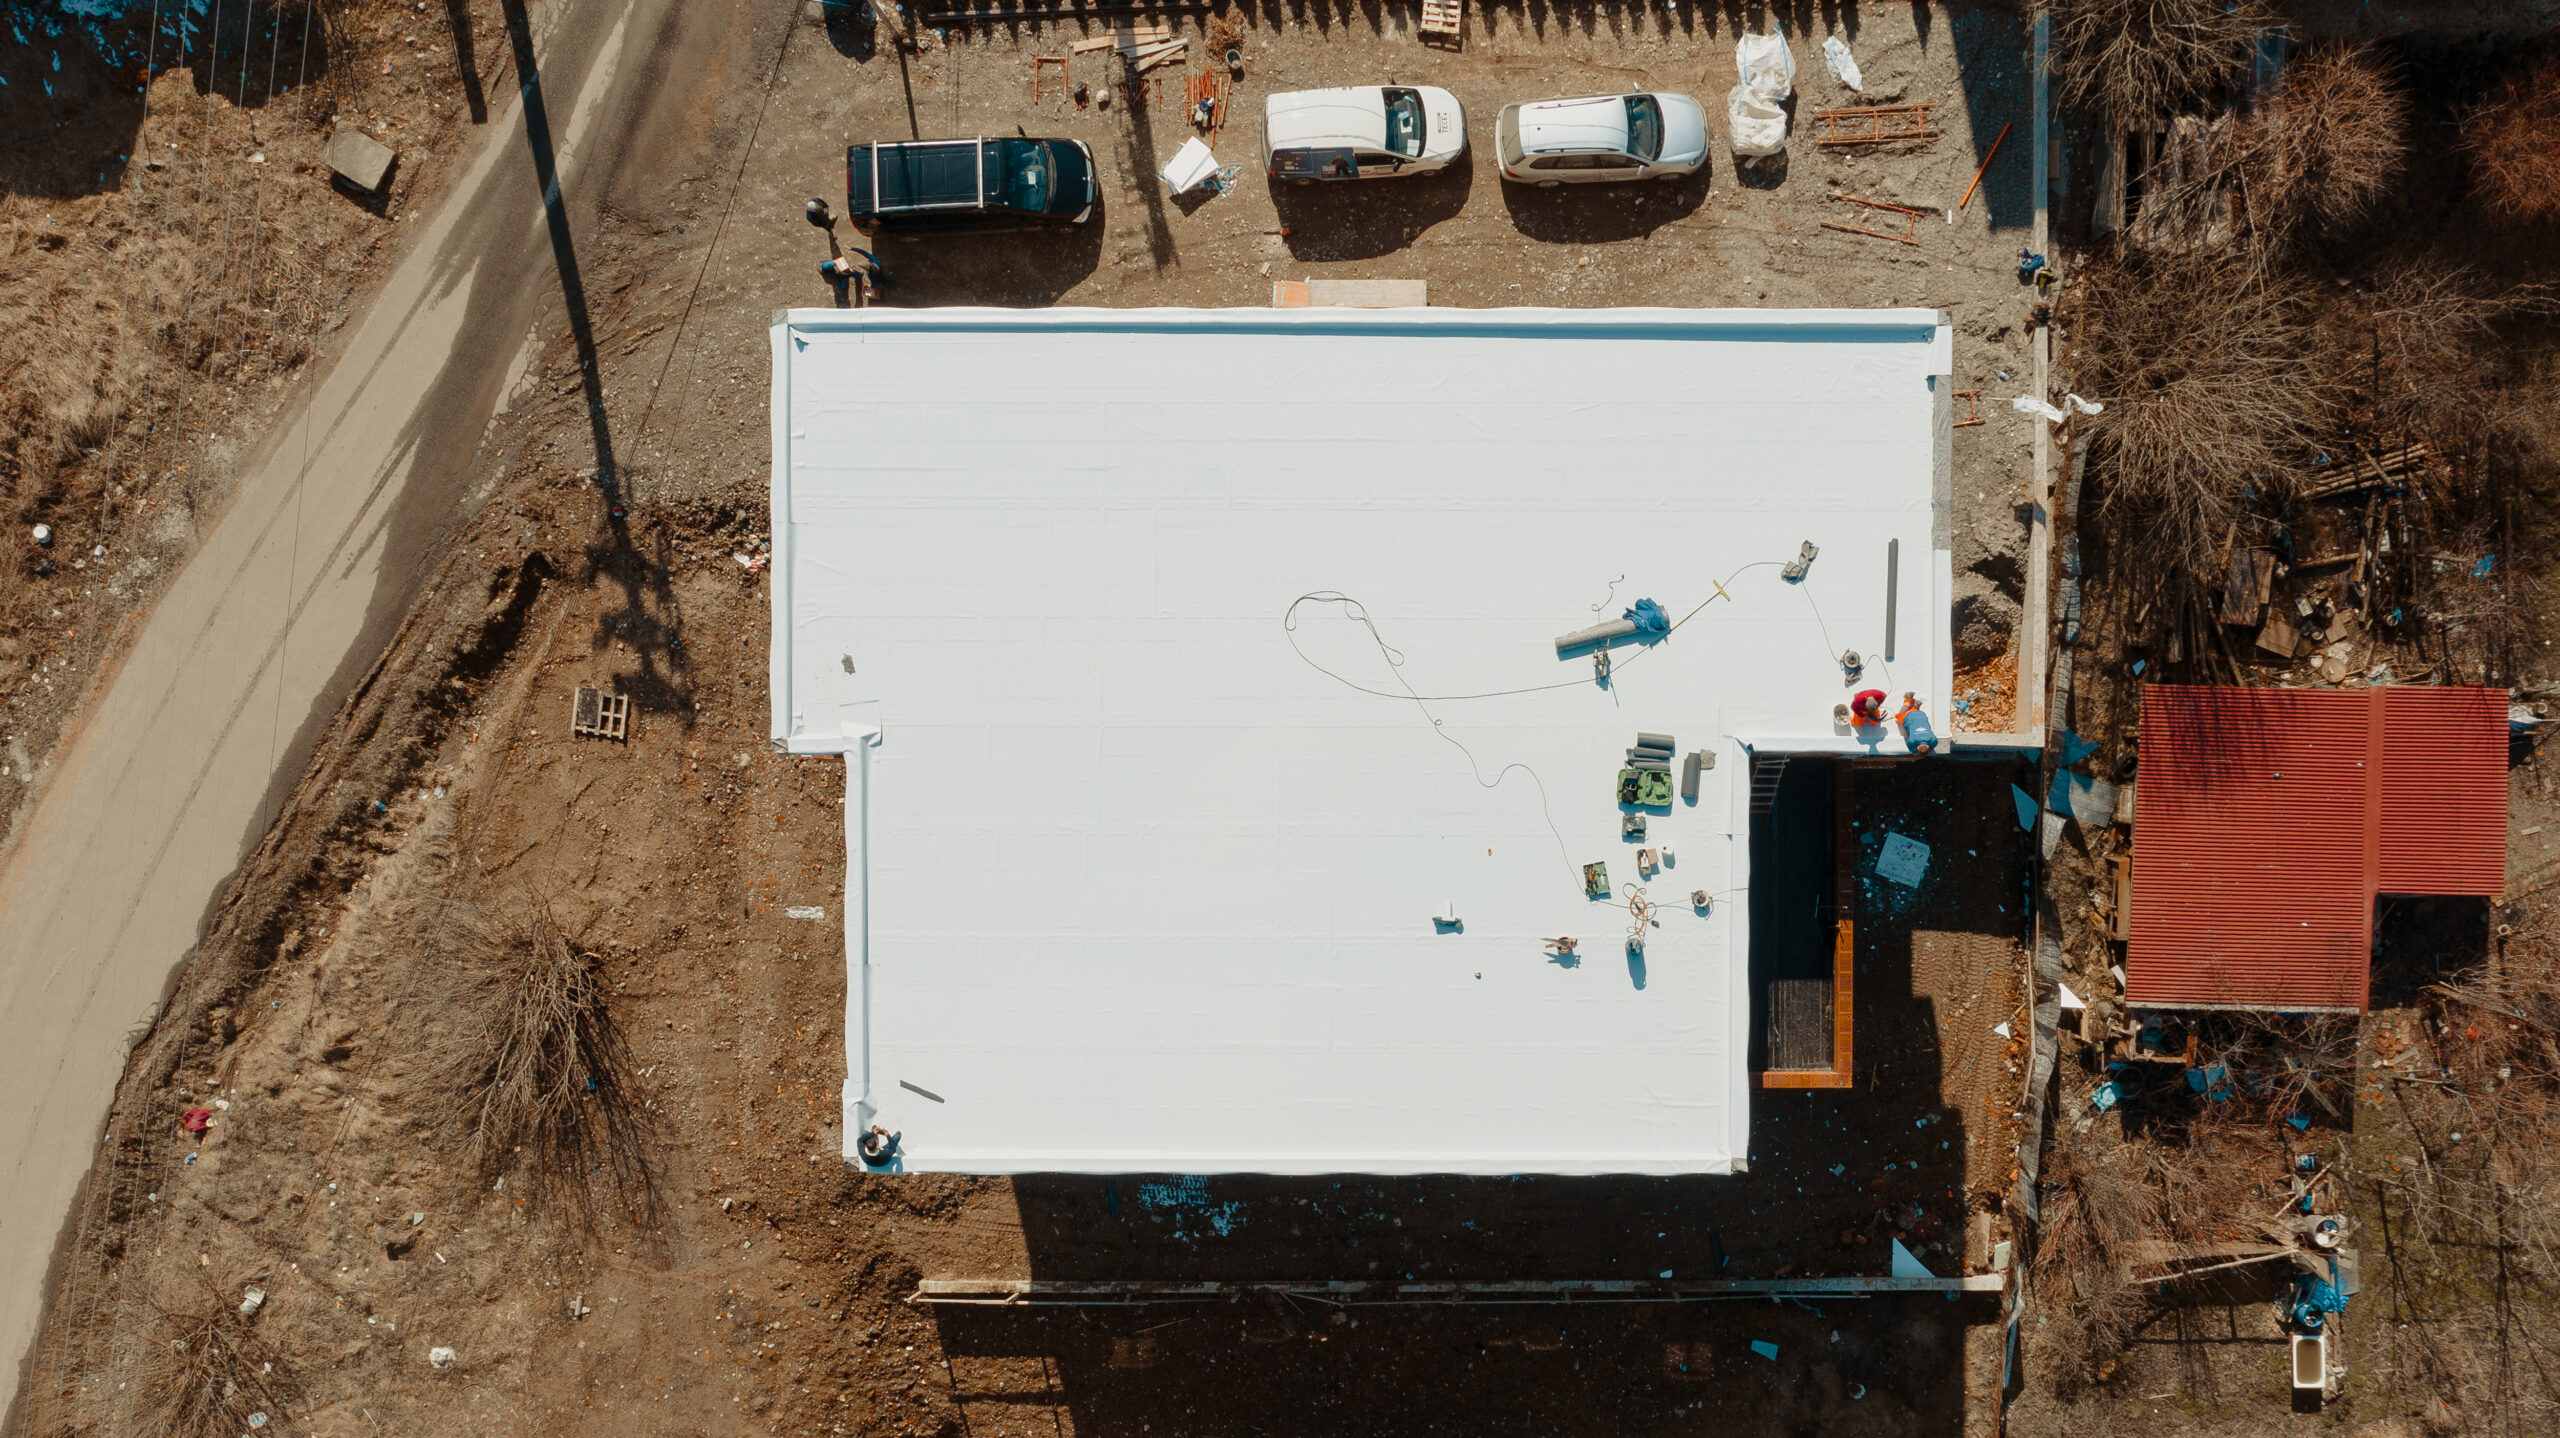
{"x": 1874, "y": 124}
{"x": 598, "y": 715}
{"x": 1444, "y": 20}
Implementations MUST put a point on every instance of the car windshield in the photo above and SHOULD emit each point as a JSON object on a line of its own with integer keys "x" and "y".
{"x": 1404, "y": 123}
{"x": 1023, "y": 174}
{"x": 1644, "y": 127}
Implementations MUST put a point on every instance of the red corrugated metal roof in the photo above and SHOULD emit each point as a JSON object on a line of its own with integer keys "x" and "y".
{"x": 2444, "y": 813}
{"x": 2266, "y": 820}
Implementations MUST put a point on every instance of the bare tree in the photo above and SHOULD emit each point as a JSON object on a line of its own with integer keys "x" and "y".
{"x": 2144, "y": 60}
{"x": 2214, "y": 386}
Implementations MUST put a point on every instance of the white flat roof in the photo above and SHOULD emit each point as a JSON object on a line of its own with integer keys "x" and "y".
{"x": 1133, "y": 886}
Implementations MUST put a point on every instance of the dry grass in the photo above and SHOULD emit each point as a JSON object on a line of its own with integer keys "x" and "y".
{"x": 2144, "y": 60}
{"x": 2326, "y": 146}
{"x": 531, "y": 1074}
{"x": 207, "y": 1369}
{"x": 2214, "y": 387}
{"x": 2512, "y": 141}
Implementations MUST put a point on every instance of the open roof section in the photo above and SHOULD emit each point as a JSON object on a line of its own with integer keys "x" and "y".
{"x": 1142, "y": 879}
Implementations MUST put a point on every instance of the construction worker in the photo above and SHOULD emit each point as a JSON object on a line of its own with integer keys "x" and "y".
{"x": 1866, "y": 708}
{"x": 1915, "y": 726}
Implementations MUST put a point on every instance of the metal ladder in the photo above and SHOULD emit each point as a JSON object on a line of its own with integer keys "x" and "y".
{"x": 1766, "y": 771}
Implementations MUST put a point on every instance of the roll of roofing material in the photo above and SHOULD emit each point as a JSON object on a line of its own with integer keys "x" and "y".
{"x": 1662, "y": 742}
{"x": 1654, "y": 766}
{"x": 1689, "y": 775}
{"x": 1596, "y": 634}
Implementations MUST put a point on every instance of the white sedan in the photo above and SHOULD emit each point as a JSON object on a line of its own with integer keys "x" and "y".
{"x": 1600, "y": 138}
{"x": 1361, "y": 132}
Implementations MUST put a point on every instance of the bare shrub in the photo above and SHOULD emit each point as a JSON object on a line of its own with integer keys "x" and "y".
{"x": 207, "y": 1369}
{"x": 2328, "y": 144}
{"x": 2512, "y": 141}
{"x": 2433, "y": 358}
{"x": 531, "y": 1074}
{"x": 2143, "y": 60}
{"x": 2214, "y": 387}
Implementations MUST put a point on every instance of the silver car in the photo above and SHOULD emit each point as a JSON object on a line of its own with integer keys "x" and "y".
{"x": 1361, "y": 132}
{"x": 1600, "y": 138}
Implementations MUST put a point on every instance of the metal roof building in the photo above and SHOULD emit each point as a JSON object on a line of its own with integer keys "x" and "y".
{"x": 2267, "y": 820}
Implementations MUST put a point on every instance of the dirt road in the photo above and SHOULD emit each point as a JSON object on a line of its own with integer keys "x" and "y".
{"x": 180, "y": 766}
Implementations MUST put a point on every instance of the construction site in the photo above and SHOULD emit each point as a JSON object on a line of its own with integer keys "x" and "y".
{"x": 1883, "y": 774}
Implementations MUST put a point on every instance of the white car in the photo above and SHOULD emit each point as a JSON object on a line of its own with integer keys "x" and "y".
{"x": 1601, "y": 138}
{"x": 1361, "y": 132}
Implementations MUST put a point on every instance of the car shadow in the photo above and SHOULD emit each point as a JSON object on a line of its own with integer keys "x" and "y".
{"x": 1018, "y": 268}
{"x": 1597, "y": 214}
{"x": 1362, "y": 219}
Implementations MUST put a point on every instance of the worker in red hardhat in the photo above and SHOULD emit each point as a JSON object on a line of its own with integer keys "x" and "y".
{"x": 1866, "y": 707}
{"x": 1915, "y": 726}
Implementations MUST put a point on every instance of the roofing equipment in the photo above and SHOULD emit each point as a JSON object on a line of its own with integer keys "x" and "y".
{"x": 2267, "y": 820}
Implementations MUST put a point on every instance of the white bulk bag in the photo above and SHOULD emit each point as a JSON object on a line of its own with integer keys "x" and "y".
{"x": 1753, "y": 126}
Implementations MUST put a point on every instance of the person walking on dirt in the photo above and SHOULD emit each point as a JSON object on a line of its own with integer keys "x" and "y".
{"x": 844, "y": 269}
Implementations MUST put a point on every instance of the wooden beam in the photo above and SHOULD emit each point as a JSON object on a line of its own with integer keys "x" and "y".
{"x": 1025, "y": 1292}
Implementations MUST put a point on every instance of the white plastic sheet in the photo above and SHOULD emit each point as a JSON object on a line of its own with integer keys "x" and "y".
{"x": 1190, "y": 167}
{"x": 2056, "y": 414}
{"x": 1844, "y": 66}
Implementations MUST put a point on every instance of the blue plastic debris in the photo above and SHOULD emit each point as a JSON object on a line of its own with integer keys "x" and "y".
{"x": 2298, "y": 1121}
{"x": 2075, "y": 748}
{"x": 1765, "y": 1349}
{"x": 2027, "y": 807}
{"x": 2395, "y": 616}
{"x": 2140, "y": 664}
{"x": 2481, "y": 570}
{"x": 2314, "y": 1299}
{"x": 2107, "y": 1096}
{"x": 1649, "y": 618}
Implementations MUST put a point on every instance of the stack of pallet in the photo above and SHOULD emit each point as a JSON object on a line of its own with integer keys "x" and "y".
{"x": 1144, "y": 47}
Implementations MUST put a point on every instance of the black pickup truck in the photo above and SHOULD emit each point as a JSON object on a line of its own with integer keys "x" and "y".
{"x": 979, "y": 184}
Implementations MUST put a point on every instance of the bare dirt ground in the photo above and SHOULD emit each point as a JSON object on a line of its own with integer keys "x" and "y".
{"x": 764, "y": 1296}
